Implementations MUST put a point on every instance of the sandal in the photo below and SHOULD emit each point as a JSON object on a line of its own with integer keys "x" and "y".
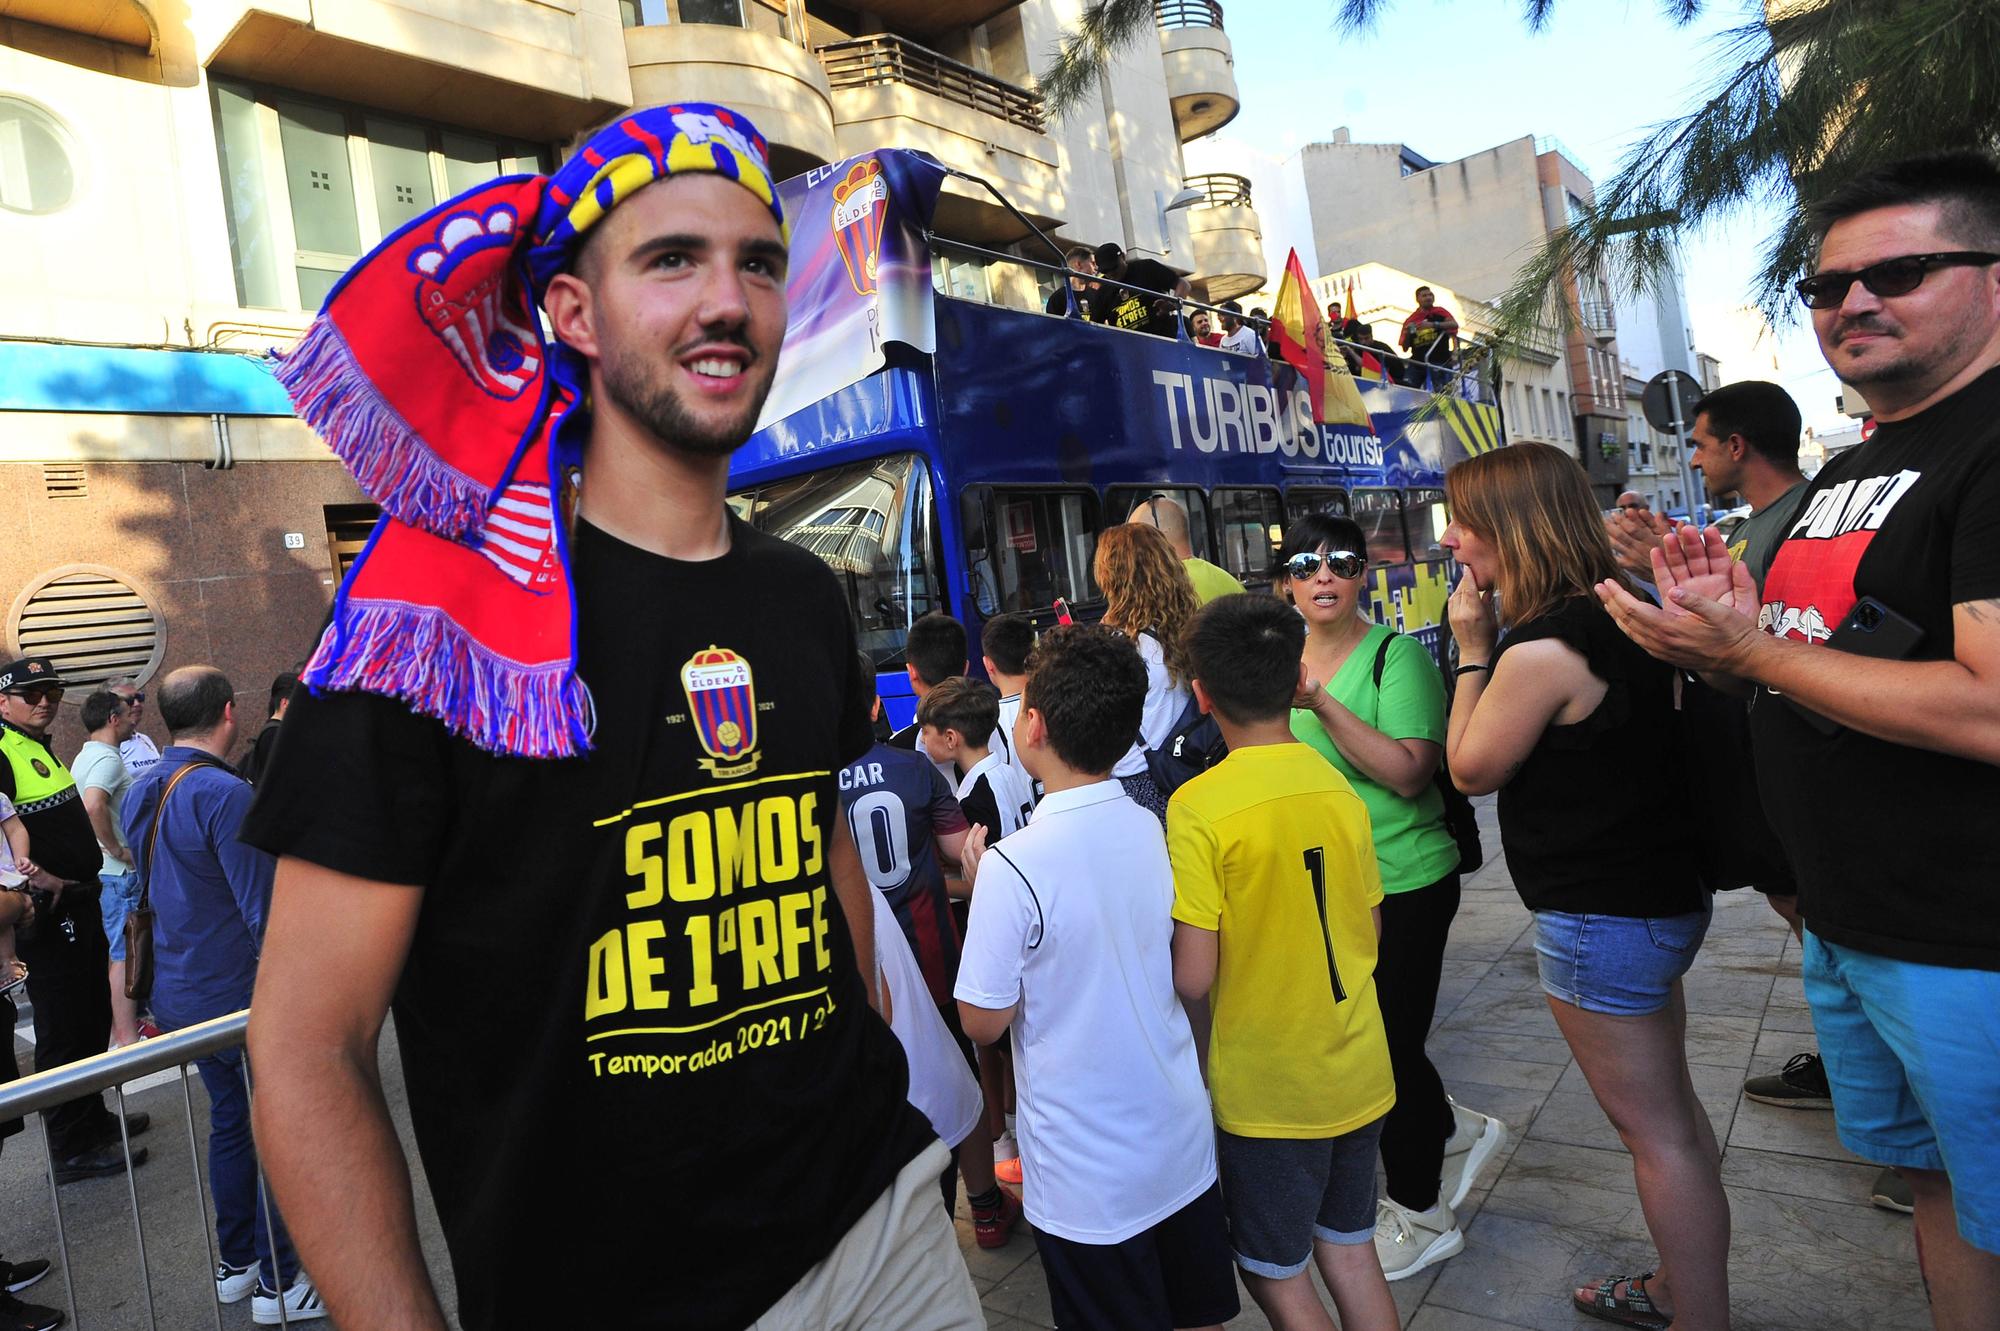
{"x": 13, "y": 974}
{"x": 1634, "y": 1308}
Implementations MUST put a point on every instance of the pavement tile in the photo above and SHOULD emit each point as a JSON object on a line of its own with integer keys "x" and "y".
{"x": 1494, "y": 1044}
{"x": 1726, "y": 1042}
{"x": 1803, "y": 1132}
{"x": 1798, "y": 1176}
{"x": 1444, "y": 1319}
{"x": 1579, "y": 1186}
{"x": 1520, "y": 1272}
{"x": 1023, "y": 1293}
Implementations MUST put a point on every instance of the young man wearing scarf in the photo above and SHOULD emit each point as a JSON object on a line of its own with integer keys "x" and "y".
{"x": 564, "y": 791}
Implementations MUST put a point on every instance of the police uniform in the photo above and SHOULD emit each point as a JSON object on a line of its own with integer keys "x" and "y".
{"x": 65, "y": 950}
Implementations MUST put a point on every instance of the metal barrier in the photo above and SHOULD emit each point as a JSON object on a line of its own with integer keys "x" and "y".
{"x": 1220, "y": 189}
{"x": 110, "y": 1071}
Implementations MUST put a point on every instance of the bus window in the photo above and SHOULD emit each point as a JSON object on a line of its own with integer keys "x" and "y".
{"x": 1301, "y": 500}
{"x": 1041, "y": 546}
{"x": 1427, "y": 519}
{"x": 872, "y": 524}
{"x": 1380, "y": 513}
{"x": 1121, "y": 500}
{"x": 1249, "y": 524}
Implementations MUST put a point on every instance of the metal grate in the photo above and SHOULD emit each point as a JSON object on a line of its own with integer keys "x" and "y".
{"x": 92, "y": 624}
{"x": 887, "y": 58}
{"x": 65, "y": 480}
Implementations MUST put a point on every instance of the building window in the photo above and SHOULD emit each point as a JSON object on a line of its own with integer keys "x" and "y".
{"x": 1548, "y": 416}
{"x": 1564, "y": 430}
{"x": 311, "y": 186}
{"x": 35, "y": 171}
{"x": 728, "y": 13}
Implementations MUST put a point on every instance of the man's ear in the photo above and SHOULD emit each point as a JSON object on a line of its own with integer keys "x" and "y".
{"x": 1201, "y": 697}
{"x": 911, "y": 670}
{"x": 875, "y": 711}
{"x": 987, "y": 662}
{"x": 1739, "y": 448}
{"x": 1032, "y": 730}
{"x": 570, "y": 309}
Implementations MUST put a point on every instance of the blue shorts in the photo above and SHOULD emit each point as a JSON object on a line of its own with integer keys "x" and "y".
{"x": 115, "y": 902}
{"x": 1616, "y": 964}
{"x": 1281, "y": 1193}
{"x": 1912, "y": 1053}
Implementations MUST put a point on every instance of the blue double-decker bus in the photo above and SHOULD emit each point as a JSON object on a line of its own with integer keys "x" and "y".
{"x": 948, "y": 454}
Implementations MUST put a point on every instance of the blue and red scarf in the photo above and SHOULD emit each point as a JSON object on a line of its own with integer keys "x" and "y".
{"x": 429, "y": 374}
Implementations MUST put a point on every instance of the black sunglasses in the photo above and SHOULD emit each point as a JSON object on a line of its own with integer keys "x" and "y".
{"x": 36, "y": 693}
{"x": 1344, "y": 563}
{"x": 1891, "y": 277}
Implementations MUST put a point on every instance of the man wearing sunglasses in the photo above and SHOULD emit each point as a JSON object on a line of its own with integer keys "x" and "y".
{"x": 66, "y": 954}
{"x": 1879, "y": 760}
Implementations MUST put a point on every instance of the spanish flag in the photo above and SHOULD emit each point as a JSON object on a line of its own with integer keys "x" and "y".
{"x": 1303, "y": 344}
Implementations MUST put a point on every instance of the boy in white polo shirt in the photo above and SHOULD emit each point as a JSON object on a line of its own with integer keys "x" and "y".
{"x": 1070, "y": 944}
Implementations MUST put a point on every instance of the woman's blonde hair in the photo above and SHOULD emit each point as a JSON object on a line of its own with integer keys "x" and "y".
{"x": 1147, "y": 591}
{"x": 1534, "y": 505}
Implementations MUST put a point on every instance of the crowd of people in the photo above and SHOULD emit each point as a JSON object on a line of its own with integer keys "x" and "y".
{"x": 1148, "y": 922}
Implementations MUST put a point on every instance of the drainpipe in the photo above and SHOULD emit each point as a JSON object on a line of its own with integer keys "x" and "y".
{"x": 225, "y": 455}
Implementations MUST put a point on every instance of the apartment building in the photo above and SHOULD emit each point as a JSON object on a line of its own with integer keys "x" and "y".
{"x": 182, "y": 181}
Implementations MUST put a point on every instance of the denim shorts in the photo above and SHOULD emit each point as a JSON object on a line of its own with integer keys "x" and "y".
{"x": 1281, "y": 1193}
{"x": 1616, "y": 964}
{"x": 1909, "y": 1053}
{"x": 115, "y": 902}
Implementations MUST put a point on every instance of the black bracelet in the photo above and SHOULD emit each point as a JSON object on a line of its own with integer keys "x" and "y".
{"x": 1465, "y": 670}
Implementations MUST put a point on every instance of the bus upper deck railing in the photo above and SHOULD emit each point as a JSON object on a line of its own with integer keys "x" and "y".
{"x": 44, "y": 1091}
{"x": 1466, "y": 383}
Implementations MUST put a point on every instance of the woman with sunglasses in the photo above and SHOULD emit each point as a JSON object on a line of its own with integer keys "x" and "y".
{"x": 1575, "y": 726}
{"x": 1149, "y": 599}
{"x": 1373, "y": 706}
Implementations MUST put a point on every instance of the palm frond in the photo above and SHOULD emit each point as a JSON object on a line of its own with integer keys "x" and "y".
{"x": 1103, "y": 29}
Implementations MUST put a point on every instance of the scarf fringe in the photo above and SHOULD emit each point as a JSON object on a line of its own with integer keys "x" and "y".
{"x": 422, "y": 656}
{"x": 389, "y": 460}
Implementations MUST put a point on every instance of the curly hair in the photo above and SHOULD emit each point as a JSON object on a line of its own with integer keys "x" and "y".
{"x": 1147, "y": 591}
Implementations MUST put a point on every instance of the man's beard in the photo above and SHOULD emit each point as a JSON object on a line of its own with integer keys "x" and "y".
{"x": 659, "y": 408}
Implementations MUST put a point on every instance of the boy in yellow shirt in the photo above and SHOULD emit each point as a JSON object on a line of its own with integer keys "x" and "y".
{"x": 1276, "y": 922}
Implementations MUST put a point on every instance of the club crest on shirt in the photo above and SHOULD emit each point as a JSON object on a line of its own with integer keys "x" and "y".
{"x": 722, "y": 701}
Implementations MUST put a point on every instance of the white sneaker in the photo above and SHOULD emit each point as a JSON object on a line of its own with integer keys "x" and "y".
{"x": 1474, "y": 1139}
{"x": 1005, "y": 1147}
{"x": 302, "y": 1303}
{"x": 1407, "y": 1241}
{"x": 234, "y": 1283}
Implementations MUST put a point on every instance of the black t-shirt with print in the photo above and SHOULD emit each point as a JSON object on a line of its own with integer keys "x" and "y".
{"x": 1893, "y": 846}
{"x": 1132, "y": 309}
{"x": 635, "y": 1040}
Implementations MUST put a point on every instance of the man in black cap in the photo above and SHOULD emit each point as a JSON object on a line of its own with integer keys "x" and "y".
{"x": 66, "y": 953}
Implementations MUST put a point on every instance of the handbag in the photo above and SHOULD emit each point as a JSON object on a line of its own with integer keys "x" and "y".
{"x": 1460, "y": 818}
{"x": 139, "y": 921}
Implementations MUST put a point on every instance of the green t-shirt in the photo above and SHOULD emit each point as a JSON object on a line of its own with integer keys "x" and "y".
{"x": 1413, "y": 845}
{"x": 1209, "y": 581}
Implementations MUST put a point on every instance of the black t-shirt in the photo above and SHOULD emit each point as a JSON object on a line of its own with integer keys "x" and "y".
{"x": 260, "y": 752}
{"x": 1057, "y": 303}
{"x": 631, "y": 1022}
{"x": 60, "y": 837}
{"x": 1893, "y": 846}
{"x": 1581, "y": 819}
{"x": 1132, "y": 309}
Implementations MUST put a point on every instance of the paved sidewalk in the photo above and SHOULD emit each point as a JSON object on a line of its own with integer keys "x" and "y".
{"x": 1809, "y": 1252}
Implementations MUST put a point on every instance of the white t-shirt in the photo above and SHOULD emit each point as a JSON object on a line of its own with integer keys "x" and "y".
{"x": 1072, "y": 919}
{"x": 1010, "y": 712}
{"x": 942, "y": 1087}
{"x": 98, "y": 766}
{"x": 1164, "y": 701}
{"x": 139, "y": 753}
{"x": 1012, "y": 795}
{"x": 1244, "y": 341}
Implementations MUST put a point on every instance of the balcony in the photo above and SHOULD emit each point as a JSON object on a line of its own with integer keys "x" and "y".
{"x": 529, "y": 71}
{"x": 927, "y": 18}
{"x": 1201, "y": 68}
{"x": 123, "y": 22}
{"x": 1228, "y": 241}
{"x": 887, "y": 90}
{"x": 773, "y": 81}
{"x": 1597, "y": 320}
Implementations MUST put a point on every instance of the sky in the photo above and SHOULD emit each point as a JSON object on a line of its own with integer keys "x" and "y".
{"x": 1452, "y": 77}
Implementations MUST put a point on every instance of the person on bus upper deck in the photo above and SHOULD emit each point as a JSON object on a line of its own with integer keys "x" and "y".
{"x": 1237, "y": 334}
{"x": 1373, "y": 349}
{"x": 1429, "y": 330}
{"x": 1130, "y": 308}
{"x": 1082, "y": 267}
{"x": 1170, "y": 519}
{"x": 1149, "y": 598}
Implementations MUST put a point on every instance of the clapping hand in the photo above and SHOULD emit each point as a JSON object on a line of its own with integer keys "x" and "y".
{"x": 1708, "y": 619}
{"x": 1473, "y": 621}
{"x": 1635, "y": 534}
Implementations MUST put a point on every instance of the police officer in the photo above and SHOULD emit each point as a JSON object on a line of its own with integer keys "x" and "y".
{"x": 66, "y": 953}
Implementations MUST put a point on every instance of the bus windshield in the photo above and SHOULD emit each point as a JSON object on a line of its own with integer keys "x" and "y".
{"x": 873, "y": 524}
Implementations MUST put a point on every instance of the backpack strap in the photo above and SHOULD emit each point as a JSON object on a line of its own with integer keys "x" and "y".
{"x": 1382, "y": 657}
{"x": 159, "y": 816}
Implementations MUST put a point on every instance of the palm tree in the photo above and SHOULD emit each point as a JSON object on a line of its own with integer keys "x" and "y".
{"x": 1804, "y": 98}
